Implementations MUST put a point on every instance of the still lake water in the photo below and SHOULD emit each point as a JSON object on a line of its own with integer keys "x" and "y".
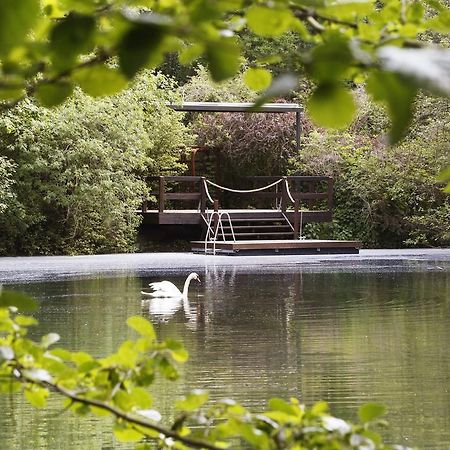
{"x": 346, "y": 337}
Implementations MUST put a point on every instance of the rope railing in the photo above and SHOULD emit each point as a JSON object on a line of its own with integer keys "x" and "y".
{"x": 243, "y": 191}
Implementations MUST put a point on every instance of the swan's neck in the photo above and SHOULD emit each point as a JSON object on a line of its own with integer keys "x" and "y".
{"x": 186, "y": 286}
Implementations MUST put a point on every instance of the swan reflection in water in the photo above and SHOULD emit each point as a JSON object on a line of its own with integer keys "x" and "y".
{"x": 166, "y": 299}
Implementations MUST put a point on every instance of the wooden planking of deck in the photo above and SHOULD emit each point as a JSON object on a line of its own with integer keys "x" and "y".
{"x": 285, "y": 246}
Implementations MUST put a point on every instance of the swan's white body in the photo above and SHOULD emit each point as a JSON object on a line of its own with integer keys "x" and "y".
{"x": 166, "y": 289}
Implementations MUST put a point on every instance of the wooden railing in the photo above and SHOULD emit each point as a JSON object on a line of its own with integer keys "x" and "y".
{"x": 301, "y": 189}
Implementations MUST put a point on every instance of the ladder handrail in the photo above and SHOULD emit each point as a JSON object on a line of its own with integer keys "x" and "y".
{"x": 209, "y": 230}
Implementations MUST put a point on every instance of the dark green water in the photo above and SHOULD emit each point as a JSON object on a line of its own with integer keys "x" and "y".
{"x": 344, "y": 337}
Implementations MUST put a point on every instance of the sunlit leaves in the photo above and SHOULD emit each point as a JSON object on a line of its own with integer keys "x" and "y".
{"x": 16, "y": 20}
{"x": 331, "y": 105}
{"x": 124, "y": 433}
{"x": 257, "y": 78}
{"x": 269, "y": 22}
{"x": 370, "y": 412}
{"x": 37, "y": 396}
{"x": 193, "y": 401}
{"x": 142, "y": 326}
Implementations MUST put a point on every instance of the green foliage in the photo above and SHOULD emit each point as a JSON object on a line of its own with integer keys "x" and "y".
{"x": 74, "y": 175}
{"x": 384, "y": 196}
{"x": 43, "y": 45}
{"x": 119, "y": 385}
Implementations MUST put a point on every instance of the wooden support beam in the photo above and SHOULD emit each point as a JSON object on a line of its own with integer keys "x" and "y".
{"x": 162, "y": 193}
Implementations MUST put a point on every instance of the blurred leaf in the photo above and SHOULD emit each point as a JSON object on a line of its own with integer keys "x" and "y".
{"x": 281, "y": 85}
{"x": 370, "y": 411}
{"x": 80, "y": 358}
{"x": 257, "y": 79}
{"x": 440, "y": 23}
{"x": 124, "y": 434}
{"x": 37, "y": 374}
{"x": 320, "y": 408}
{"x": 141, "y": 398}
{"x": 151, "y": 414}
{"x": 142, "y": 326}
{"x": 269, "y": 22}
{"x": 71, "y": 36}
{"x": 347, "y": 9}
{"x": 177, "y": 350}
{"x": 399, "y": 95}
{"x": 332, "y": 106}
{"x": 99, "y": 80}
{"x": 191, "y": 53}
{"x": 21, "y": 301}
{"x": 6, "y": 353}
{"x": 192, "y": 401}
{"x": 16, "y": 20}
{"x": 53, "y": 94}
{"x": 223, "y": 58}
{"x": 7, "y": 93}
{"x": 428, "y": 66}
{"x": 26, "y": 321}
{"x": 37, "y": 397}
{"x": 49, "y": 339}
{"x": 278, "y": 404}
{"x": 139, "y": 47}
{"x": 331, "y": 60}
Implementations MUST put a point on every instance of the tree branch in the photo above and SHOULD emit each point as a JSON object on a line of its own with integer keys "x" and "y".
{"x": 194, "y": 443}
{"x": 304, "y": 13}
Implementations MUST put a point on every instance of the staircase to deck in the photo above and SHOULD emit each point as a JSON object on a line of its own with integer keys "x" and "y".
{"x": 273, "y": 226}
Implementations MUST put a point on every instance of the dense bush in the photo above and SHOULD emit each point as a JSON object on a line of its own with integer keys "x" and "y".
{"x": 385, "y": 196}
{"x": 79, "y": 168}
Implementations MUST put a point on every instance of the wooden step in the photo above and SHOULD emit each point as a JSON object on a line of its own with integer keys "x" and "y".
{"x": 276, "y": 235}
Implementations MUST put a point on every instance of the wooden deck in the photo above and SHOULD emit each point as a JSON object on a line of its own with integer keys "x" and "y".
{"x": 281, "y": 247}
{"x": 194, "y": 217}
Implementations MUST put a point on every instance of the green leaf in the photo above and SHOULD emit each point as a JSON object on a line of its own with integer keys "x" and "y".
{"x": 49, "y": 339}
{"x": 140, "y": 47}
{"x": 192, "y": 401}
{"x": 142, "y": 326}
{"x": 278, "y": 404}
{"x": 177, "y": 350}
{"x": 16, "y": 20}
{"x": 17, "y": 299}
{"x": 191, "y": 53}
{"x": 98, "y": 80}
{"x": 257, "y": 79}
{"x": 399, "y": 95}
{"x": 332, "y": 106}
{"x": 269, "y": 22}
{"x": 370, "y": 411}
{"x": 223, "y": 58}
{"x": 26, "y": 321}
{"x": 347, "y": 9}
{"x": 71, "y": 36}
{"x": 331, "y": 60}
{"x": 37, "y": 396}
{"x": 124, "y": 434}
{"x": 53, "y": 94}
{"x": 12, "y": 93}
{"x": 80, "y": 358}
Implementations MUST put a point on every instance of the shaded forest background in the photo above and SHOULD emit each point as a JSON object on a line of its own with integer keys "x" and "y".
{"x": 71, "y": 177}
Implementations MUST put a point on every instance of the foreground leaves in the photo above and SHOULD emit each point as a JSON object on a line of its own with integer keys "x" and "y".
{"x": 119, "y": 385}
{"x": 48, "y": 47}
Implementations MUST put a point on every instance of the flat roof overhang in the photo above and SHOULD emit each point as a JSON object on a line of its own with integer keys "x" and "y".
{"x": 236, "y": 107}
{"x": 245, "y": 107}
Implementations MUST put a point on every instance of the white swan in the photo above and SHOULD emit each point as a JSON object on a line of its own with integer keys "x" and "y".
{"x": 166, "y": 289}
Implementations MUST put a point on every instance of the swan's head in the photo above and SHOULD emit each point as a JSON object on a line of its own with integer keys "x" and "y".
{"x": 195, "y": 276}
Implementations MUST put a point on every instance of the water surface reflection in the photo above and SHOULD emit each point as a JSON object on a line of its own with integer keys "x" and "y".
{"x": 345, "y": 337}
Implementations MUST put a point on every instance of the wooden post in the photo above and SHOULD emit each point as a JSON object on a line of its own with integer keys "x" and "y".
{"x": 216, "y": 216}
{"x": 202, "y": 195}
{"x": 296, "y": 219}
{"x": 144, "y": 205}
{"x": 330, "y": 194}
{"x": 284, "y": 195}
{"x": 162, "y": 194}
